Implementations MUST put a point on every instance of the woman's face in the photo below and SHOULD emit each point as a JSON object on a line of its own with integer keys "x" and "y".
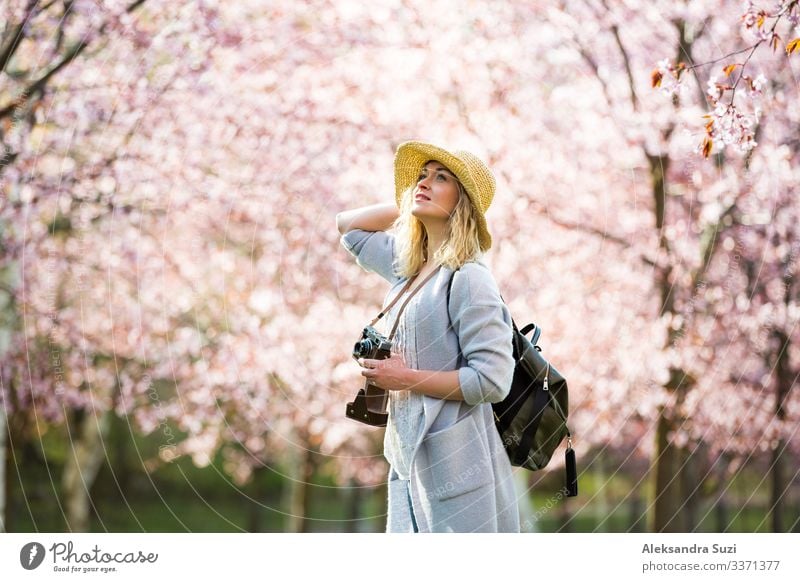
{"x": 438, "y": 185}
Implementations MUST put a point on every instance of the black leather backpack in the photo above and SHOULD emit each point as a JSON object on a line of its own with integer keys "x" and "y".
{"x": 532, "y": 419}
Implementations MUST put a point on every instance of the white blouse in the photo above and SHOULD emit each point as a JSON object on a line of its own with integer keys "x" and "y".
{"x": 405, "y": 407}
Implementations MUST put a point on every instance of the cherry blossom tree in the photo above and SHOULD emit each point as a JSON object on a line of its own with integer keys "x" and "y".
{"x": 58, "y": 36}
{"x": 696, "y": 208}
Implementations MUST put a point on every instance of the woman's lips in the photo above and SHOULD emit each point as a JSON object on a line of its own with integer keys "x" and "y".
{"x": 422, "y": 197}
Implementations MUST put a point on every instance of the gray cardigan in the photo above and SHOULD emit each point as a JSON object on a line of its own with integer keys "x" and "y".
{"x": 461, "y": 478}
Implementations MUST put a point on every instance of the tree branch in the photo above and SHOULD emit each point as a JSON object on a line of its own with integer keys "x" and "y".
{"x": 73, "y": 53}
{"x": 626, "y": 59}
{"x": 16, "y": 36}
{"x": 587, "y": 228}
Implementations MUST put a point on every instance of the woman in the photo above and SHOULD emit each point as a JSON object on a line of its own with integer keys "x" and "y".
{"x": 448, "y": 469}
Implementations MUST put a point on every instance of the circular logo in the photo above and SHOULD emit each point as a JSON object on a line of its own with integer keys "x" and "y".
{"x": 31, "y": 555}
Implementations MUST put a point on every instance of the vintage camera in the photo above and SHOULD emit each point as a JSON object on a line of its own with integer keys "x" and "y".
{"x": 369, "y": 405}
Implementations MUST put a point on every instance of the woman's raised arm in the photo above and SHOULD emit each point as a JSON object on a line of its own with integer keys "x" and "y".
{"x": 372, "y": 218}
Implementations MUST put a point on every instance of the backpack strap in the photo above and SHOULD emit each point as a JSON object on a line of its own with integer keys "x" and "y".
{"x": 537, "y": 331}
{"x": 449, "y": 318}
{"x": 449, "y": 285}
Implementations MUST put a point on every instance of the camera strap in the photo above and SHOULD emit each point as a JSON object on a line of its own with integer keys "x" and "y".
{"x": 403, "y": 306}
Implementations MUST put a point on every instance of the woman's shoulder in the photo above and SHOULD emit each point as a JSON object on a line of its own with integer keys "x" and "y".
{"x": 474, "y": 284}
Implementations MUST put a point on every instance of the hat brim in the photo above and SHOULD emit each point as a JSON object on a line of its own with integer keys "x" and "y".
{"x": 409, "y": 161}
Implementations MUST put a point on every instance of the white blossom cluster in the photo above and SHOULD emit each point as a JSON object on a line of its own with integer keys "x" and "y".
{"x": 728, "y": 124}
{"x": 733, "y": 123}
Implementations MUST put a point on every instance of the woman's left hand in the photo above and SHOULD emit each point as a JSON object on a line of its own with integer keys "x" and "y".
{"x": 389, "y": 374}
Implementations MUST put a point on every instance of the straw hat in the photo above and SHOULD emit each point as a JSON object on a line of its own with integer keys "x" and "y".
{"x": 476, "y": 177}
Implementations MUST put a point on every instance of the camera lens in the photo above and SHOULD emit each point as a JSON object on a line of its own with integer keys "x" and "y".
{"x": 362, "y": 348}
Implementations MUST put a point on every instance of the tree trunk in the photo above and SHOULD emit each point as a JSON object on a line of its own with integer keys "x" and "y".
{"x": 667, "y": 514}
{"x": 3, "y": 444}
{"x": 8, "y": 318}
{"x": 670, "y": 494}
{"x": 778, "y": 487}
{"x": 252, "y": 502}
{"x": 638, "y": 512}
{"x": 603, "y": 505}
{"x": 89, "y": 430}
{"x": 721, "y": 514}
{"x": 666, "y": 463}
{"x": 691, "y": 488}
{"x": 779, "y": 484}
{"x": 120, "y": 437}
{"x": 299, "y": 498}
{"x": 352, "y": 501}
